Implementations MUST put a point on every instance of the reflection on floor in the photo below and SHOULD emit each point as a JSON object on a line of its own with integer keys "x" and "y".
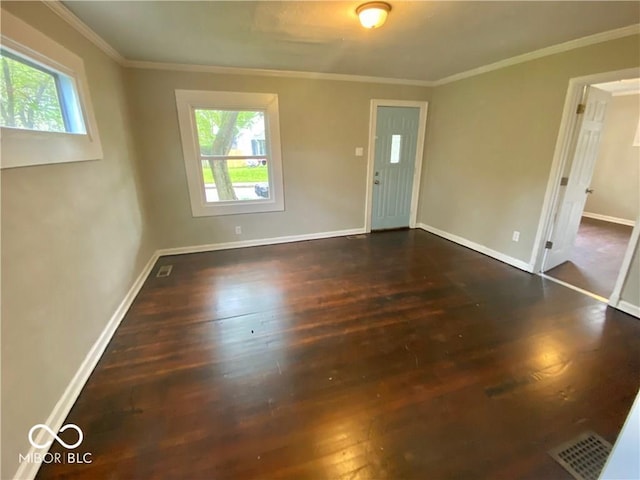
{"x": 397, "y": 355}
{"x": 596, "y": 257}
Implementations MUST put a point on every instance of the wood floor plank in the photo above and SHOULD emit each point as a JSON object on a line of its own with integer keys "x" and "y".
{"x": 596, "y": 257}
{"x": 397, "y": 355}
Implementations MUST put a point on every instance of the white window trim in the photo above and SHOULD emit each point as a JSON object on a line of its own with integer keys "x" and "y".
{"x": 189, "y": 100}
{"x": 20, "y": 147}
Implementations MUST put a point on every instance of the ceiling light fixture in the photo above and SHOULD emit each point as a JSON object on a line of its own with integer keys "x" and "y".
{"x": 373, "y": 14}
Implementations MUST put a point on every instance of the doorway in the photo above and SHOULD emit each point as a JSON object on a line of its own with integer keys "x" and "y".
{"x": 595, "y": 259}
{"x": 590, "y": 231}
{"x": 396, "y": 140}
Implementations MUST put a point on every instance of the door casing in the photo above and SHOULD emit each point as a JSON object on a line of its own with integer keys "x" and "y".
{"x": 561, "y": 156}
{"x": 375, "y": 103}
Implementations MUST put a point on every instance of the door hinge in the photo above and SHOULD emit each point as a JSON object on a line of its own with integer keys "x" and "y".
{"x": 581, "y": 108}
{"x": 564, "y": 181}
{"x": 548, "y": 245}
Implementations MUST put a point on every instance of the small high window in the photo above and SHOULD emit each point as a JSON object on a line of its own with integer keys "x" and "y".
{"x": 46, "y": 114}
{"x": 35, "y": 97}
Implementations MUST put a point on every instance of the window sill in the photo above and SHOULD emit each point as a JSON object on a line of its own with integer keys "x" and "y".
{"x": 24, "y": 148}
{"x": 237, "y": 208}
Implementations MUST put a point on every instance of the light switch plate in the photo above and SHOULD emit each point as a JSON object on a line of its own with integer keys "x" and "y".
{"x": 359, "y": 151}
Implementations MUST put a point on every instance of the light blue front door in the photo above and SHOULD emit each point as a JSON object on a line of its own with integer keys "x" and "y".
{"x": 394, "y": 164}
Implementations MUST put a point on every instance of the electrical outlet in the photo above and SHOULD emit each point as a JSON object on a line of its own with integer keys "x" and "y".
{"x": 516, "y": 236}
{"x": 238, "y": 230}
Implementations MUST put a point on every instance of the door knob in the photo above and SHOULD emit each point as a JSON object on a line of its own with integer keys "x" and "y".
{"x": 376, "y": 182}
{"x": 589, "y": 190}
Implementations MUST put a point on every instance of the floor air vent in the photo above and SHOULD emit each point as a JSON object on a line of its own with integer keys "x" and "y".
{"x": 164, "y": 271}
{"x": 583, "y": 457}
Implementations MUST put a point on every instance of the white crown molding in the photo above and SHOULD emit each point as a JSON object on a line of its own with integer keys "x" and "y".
{"x": 185, "y": 67}
{"x": 544, "y": 52}
{"x": 92, "y": 36}
{"x": 67, "y": 15}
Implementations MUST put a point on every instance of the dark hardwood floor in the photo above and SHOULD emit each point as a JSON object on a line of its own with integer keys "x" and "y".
{"x": 596, "y": 257}
{"x": 394, "y": 356}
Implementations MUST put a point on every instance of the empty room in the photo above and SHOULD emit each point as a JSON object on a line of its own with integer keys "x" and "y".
{"x": 319, "y": 240}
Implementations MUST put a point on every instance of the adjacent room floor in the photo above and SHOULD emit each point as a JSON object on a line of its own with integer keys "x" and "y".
{"x": 396, "y": 355}
{"x": 596, "y": 257}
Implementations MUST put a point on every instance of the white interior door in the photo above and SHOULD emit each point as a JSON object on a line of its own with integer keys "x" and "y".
{"x": 571, "y": 203}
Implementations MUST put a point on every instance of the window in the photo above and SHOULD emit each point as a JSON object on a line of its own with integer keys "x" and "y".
{"x": 231, "y": 147}
{"x": 28, "y": 96}
{"x": 34, "y": 97}
{"x": 45, "y": 112}
{"x": 396, "y": 141}
{"x": 232, "y": 167}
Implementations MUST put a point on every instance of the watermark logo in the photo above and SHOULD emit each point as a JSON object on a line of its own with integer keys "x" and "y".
{"x": 68, "y": 426}
{"x": 36, "y": 439}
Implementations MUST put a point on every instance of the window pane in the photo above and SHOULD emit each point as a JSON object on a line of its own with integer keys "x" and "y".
{"x": 241, "y": 179}
{"x": 28, "y": 97}
{"x": 229, "y": 132}
{"x": 396, "y": 141}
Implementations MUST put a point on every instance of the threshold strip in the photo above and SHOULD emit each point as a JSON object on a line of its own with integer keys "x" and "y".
{"x": 577, "y": 289}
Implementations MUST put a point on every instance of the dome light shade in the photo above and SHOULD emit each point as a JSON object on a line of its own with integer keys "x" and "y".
{"x": 373, "y": 14}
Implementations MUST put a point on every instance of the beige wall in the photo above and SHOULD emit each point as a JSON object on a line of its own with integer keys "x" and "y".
{"x": 75, "y": 236}
{"x": 616, "y": 177}
{"x": 631, "y": 289}
{"x": 321, "y": 124}
{"x": 490, "y": 143}
{"x": 74, "y": 239}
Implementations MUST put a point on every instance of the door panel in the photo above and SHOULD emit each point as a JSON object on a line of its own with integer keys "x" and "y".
{"x": 569, "y": 214}
{"x": 394, "y": 166}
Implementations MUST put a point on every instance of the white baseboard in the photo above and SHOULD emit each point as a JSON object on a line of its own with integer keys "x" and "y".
{"x": 607, "y": 218}
{"x": 514, "y": 262}
{"x": 629, "y": 308}
{"x": 258, "y": 242}
{"x": 28, "y": 471}
{"x": 614, "y": 300}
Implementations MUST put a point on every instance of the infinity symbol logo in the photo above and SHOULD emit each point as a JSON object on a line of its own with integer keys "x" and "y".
{"x": 53, "y": 434}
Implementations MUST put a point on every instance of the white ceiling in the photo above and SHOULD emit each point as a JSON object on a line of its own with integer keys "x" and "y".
{"x": 421, "y": 40}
